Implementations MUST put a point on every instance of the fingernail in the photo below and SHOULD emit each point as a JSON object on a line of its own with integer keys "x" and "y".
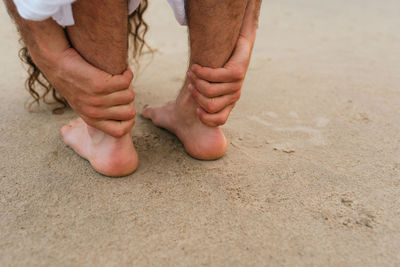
{"x": 188, "y": 74}
{"x": 198, "y": 111}
{"x": 191, "y": 88}
{"x": 192, "y": 67}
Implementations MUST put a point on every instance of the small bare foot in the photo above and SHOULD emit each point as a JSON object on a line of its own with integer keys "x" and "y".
{"x": 108, "y": 155}
{"x": 200, "y": 141}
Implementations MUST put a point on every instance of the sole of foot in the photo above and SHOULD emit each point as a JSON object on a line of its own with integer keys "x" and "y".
{"x": 114, "y": 157}
{"x": 200, "y": 141}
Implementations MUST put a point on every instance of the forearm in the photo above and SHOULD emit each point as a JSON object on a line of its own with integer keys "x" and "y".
{"x": 45, "y": 40}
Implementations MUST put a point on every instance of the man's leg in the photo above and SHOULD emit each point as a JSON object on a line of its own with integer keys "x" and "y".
{"x": 214, "y": 27}
{"x": 100, "y": 35}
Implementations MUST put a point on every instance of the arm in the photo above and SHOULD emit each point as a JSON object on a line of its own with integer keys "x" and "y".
{"x": 216, "y": 89}
{"x": 92, "y": 93}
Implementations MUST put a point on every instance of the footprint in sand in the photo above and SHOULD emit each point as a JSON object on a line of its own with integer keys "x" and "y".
{"x": 296, "y": 127}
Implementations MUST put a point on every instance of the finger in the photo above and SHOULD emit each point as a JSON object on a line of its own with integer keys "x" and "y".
{"x": 123, "y": 97}
{"x": 116, "y": 129}
{"x": 234, "y": 69}
{"x": 217, "y": 119}
{"x": 214, "y": 89}
{"x": 113, "y": 83}
{"x": 214, "y": 104}
{"x": 121, "y": 112}
{"x": 220, "y": 75}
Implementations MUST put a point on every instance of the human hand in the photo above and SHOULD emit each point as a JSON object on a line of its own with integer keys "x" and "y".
{"x": 102, "y": 100}
{"x": 217, "y": 90}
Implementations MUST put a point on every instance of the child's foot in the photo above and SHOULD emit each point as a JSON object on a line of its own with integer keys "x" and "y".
{"x": 108, "y": 155}
{"x": 180, "y": 118}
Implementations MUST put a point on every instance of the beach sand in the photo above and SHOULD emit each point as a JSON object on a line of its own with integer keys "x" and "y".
{"x": 311, "y": 176}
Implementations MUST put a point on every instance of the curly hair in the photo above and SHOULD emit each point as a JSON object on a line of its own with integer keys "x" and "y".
{"x": 40, "y": 88}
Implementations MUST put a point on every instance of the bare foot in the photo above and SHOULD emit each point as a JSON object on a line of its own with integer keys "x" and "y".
{"x": 108, "y": 155}
{"x": 179, "y": 117}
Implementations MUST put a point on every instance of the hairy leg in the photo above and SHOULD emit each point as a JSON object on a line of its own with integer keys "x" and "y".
{"x": 100, "y": 35}
{"x": 214, "y": 27}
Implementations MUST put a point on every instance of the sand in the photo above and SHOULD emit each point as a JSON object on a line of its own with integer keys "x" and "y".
{"x": 311, "y": 176}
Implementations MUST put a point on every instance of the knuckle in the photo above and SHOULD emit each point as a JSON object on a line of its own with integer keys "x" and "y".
{"x": 208, "y": 91}
{"x": 197, "y": 83}
{"x": 118, "y": 132}
{"x": 211, "y": 106}
{"x": 237, "y": 86}
{"x": 127, "y": 126}
{"x": 221, "y": 120}
{"x": 239, "y": 73}
{"x": 196, "y": 68}
{"x": 97, "y": 88}
{"x": 130, "y": 125}
{"x": 127, "y": 113}
{"x": 94, "y": 101}
{"x": 237, "y": 97}
{"x": 132, "y": 112}
{"x": 130, "y": 75}
{"x": 131, "y": 95}
{"x": 126, "y": 83}
{"x": 92, "y": 113}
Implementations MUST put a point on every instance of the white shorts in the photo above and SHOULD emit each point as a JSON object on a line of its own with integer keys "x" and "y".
{"x": 61, "y": 10}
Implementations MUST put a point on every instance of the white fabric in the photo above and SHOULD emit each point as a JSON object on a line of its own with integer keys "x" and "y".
{"x": 178, "y": 6}
{"x": 61, "y": 10}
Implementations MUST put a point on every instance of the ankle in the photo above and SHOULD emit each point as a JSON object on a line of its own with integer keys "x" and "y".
{"x": 96, "y": 136}
{"x": 186, "y": 101}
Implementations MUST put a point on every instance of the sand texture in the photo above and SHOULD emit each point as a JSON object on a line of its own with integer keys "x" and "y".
{"x": 311, "y": 176}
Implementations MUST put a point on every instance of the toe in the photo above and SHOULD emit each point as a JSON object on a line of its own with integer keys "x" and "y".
{"x": 64, "y": 130}
{"x": 147, "y": 112}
